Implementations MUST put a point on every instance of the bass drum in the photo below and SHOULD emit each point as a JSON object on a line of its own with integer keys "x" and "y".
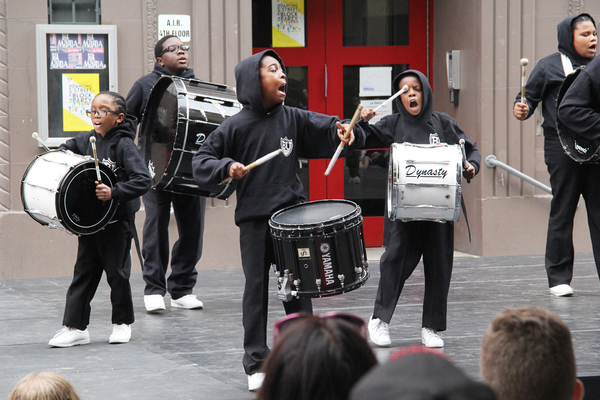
{"x": 178, "y": 118}
{"x": 319, "y": 249}
{"x": 58, "y": 190}
{"x": 577, "y": 147}
{"x": 424, "y": 182}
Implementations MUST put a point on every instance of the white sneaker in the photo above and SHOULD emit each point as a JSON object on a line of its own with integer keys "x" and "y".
{"x": 563, "y": 290}
{"x": 154, "y": 303}
{"x": 68, "y": 337}
{"x": 255, "y": 381}
{"x": 379, "y": 332}
{"x": 121, "y": 333}
{"x": 189, "y": 302}
{"x": 430, "y": 338}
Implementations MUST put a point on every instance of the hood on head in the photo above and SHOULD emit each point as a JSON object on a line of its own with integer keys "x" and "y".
{"x": 247, "y": 77}
{"x": 426, "y": 107}
{"x": 565, "y": 39}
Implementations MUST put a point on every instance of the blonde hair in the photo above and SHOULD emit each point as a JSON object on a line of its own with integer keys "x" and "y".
{"x": 43, "y": 386}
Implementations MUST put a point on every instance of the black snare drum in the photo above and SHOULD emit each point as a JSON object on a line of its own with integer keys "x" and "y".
{"x": 58, "y": 190}
{"x": 178, "y": 118}
{"x": 319, "y": 249}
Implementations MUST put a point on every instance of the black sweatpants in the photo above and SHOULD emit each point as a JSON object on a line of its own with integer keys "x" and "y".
{"x": 107, "y": 250}
{"x": 408, "y": 241}
{"x": 187, "y": 250}
{"x": 258, "y": 254}
{"x": 569, "y": 179}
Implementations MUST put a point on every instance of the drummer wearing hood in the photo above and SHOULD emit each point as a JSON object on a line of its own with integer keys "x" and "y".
{"x": 577, "y": 42}
{"x": 264, "y": 125}
{"x": 409, "y": 241}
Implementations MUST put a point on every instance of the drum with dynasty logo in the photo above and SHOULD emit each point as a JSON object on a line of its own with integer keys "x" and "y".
{"x": 424, "y": 182}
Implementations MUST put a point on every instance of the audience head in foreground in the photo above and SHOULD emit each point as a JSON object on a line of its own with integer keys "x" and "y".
{"x": 316, "y": 358}
{"x": 419, "y": 373}
{"x": 43, "y": 386}
{"x": 527, "y": 354}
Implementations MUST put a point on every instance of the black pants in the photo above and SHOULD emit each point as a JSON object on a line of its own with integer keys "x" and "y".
{"x": 187, "y": 250}
{"x": 258, "y": 254}
{"x": 408, "y": 241}
{"x": 569, "y": 180}
{"x": 109, "y": 251}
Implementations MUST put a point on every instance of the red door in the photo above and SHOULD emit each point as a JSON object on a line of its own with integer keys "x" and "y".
{"x": 344, "y": 40}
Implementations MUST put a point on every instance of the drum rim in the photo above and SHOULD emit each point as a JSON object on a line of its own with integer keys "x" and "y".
{"x": 62, "y": 214}
{"x": 355, "y": 214}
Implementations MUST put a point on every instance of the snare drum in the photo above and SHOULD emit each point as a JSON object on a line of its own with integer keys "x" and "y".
{"x": 424, "y": 182}
{"x": 58, "y": 190}
{"x": 178, "y": 118}
{"x": 319, "y": 249}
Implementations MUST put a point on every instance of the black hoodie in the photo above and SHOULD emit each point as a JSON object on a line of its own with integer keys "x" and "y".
{"x": 138, "y": 95}
{"x": 419, "y": 128}
{"x": 255, "y": 132}
{"x": 580, "y": 107}
{"x": 547, "y": 76}
{"x": 136, "y": 180}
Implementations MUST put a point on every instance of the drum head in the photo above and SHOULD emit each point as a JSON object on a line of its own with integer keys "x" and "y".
{"x": 579, "y": 148}
{"x": 159, "y": 128}
{"x": 78, "y": 208}
{"x": 315, "y": 213}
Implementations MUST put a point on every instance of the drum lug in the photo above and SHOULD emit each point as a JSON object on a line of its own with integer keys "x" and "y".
{"x": 358, "y": 270}
{"x": 318, "y": 282}
{"x": 341, "y": 277}
{"x": 285, "y": 286}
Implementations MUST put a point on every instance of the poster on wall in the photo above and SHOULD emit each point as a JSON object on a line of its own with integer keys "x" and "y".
{"x": 288, "y": 23}
{"x": 77, "y": 51}
{"x": 78, "y": 92}
{"x": 74, "y": 63}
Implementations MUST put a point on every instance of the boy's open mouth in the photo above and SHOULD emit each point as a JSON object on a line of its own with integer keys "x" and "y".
{"x": 282, "y": 89}
{"x": 413, "y": 104}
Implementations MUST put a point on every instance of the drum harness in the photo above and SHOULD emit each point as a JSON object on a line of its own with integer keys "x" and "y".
{"x": 437, "y": 126}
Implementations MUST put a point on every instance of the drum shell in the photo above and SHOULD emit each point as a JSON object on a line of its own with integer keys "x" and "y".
{"x": 58, "y": 190}
{"x": 424, "y": 182}
{"x": 178, "y": 118}
{"x": 322, "y": 250}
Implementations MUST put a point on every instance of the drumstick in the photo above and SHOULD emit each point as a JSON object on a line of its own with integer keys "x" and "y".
{"x": 465, "y": 163}
{"x": 403, "y": 90}
{"x": 41, "y": 143}
{"x": 93, "y": 142}
{"x": 524, "y": 63}
{"x": 256, "y": 163}
{"x": 341, "y": 146}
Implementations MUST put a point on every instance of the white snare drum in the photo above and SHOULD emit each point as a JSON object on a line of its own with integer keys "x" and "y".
{"x": 58, "y": 190}
{"x": 424, "y": 182}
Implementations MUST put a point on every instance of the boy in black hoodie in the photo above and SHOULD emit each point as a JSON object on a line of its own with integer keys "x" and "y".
{"x": 409, "y": 241}
{"x": 577, "y": 41}
{"x": 262, "y": 126}
{"x": 109, "y": 249}
{"x": 580, "y": 112}
{"x": 171, "y": 60}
